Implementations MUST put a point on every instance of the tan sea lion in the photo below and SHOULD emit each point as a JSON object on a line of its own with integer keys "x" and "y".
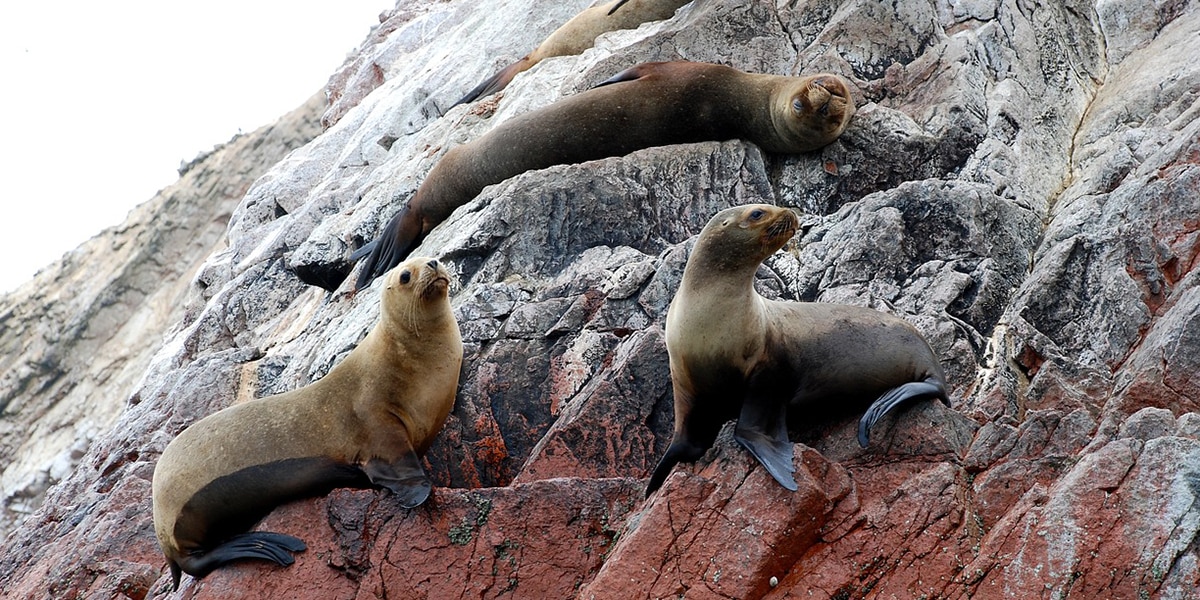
{"x": 734, "y": 354}
{"x": 578, "y": 35}
{"x": 652, "y": 104}
{"x": 365, "y": 424}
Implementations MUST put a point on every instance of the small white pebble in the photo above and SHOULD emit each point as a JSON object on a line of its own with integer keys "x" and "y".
{"x": 774, "y": 581}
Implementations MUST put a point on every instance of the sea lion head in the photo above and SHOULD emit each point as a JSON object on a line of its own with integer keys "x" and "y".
{"x": 416, "y": 291}
{"x": 743, "y": 236}
{"x": 812, "y": 111}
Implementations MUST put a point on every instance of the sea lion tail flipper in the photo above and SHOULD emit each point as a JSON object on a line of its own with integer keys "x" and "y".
{"x": 931, "y": 387}
{"x": 398, "y": 239}
{"x": 496, "y": 82}
{"x": 619, "y": 4}
{"x": 762, "y": 429}
{"x": 403, "y": 477}
{"x": 255, "y": 545}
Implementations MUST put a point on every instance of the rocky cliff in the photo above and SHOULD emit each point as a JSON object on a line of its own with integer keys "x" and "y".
{"x": 1022, "y": 182}
{"x": 76, "y": 339}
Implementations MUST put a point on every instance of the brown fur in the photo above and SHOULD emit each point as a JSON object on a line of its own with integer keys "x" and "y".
{"x": 652, "y": 104}
{"x": 736, "y": 355}
{"x": 362, "y": 425}
{"x": 579, "y": 34}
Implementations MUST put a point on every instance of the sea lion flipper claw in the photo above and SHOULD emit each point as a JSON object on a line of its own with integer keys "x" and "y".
{"x": 404, "y": 477}
{"x": 929, "y": 388}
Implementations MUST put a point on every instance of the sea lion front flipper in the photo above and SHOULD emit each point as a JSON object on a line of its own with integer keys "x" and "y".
{"x": 399, "y": 238}
{"x": 262, "y": 545}
{"x": 931, "y": 387}
{"x": 762, "y": 429}
{"x": 404, "y": 477}
{"x": 680, "y": 450}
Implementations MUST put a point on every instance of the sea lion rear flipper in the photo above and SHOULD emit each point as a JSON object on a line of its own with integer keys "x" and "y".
{"x": 398, "y": 239}
{"x": 365, "y": 250}
{"x": 931, "y": 387}
{"x": 496, "y": 82}
{"x": 762, "y": 429}
{"x": 616, "y": 6}
{"x": 630, "y": 74}
{"x": 403, "y": 477}
{"x": 261, "y": 545}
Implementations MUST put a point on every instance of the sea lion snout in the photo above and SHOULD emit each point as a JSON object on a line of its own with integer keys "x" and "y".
{"x": 782, "y": 225}
{"x": 785, "y": 225}
{"x": 826, "y": 95}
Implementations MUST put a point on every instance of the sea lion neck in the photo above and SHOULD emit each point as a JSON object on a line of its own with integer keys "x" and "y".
{"x": 414, "y": 320}
{"x": 721, "y": 264}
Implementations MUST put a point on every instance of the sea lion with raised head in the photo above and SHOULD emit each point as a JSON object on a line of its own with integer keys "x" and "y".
{"x": 577, "y": 35}
{"x": 365, "y": 424}
{"x": 736, "y": 355}
{"x": 652, "y": 104}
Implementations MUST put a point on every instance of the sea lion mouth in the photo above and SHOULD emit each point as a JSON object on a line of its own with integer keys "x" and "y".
{"x": 784, "y": 227}
{"x": 820, "y": 96}
{"x": 436, "y": 287}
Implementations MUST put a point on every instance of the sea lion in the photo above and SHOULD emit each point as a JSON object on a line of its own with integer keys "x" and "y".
{"x": 578, "y": 35}
{"x": 652, "y": 104}
{"x": 365, "y": 424}
{"x": 734, "y": 354}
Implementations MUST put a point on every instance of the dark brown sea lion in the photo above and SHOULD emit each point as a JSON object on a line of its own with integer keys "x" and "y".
{"x": 365, "y": 424}
{"x": 652, "y": 104}
{"x": 737, "y": 355}
{"x": 578, "y": 35}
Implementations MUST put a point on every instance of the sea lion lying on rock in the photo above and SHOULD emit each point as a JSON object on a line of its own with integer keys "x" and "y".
{"x": 652, "y": 104}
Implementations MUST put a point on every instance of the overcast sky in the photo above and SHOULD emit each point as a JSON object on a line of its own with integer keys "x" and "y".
{"x": 102, "y": 100}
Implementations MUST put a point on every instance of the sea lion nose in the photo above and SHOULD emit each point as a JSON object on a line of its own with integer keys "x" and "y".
{"x": 433, "y": 264}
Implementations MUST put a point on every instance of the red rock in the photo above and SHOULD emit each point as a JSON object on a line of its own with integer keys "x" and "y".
{"x": 537, "y": 540}
{"x": 721, "y": 529}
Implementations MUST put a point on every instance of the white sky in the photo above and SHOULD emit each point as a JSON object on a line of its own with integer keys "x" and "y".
{"x": 100, "y": 101}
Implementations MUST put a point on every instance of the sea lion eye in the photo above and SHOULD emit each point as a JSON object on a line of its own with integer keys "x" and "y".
{"x": 797, "y": 105}
{"x": 405, "y": 277}
{"x": 757, "y": 214}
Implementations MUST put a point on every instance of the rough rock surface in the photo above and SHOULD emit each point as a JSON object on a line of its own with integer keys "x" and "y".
{"x": 1022, "y": 182}
{"x": 76, "y": 339}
